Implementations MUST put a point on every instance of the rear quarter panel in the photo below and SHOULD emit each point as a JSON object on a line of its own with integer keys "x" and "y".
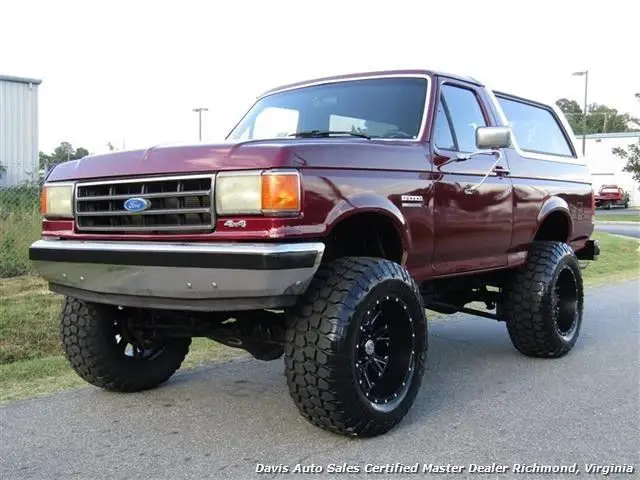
{"x": 541, "y": 187}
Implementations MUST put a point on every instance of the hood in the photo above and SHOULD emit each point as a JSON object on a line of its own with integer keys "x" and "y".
{"x": 211, "y": 158}
{"x": 173, "y": 159}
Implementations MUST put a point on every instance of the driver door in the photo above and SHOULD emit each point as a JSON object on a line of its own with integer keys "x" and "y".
{"x": 472, "y": 230}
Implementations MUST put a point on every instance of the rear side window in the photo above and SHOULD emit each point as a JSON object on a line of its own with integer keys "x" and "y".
{"x": 536, "y": 128}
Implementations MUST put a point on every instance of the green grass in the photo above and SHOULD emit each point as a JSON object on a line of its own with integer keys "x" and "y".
{"x": 47, "y": 375}
{"x": 31, "y": 361}
{"x": 618, "y": 218}
{"x": 39, "y": 376}
{"x": 18, "y": 230}
{"x": 20, "y": 225}
{"x": 619, "y": 260}
{"x": 28, "y": 326}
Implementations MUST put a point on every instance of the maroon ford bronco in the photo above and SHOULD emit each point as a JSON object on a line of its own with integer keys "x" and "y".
{"x": 332, "y": 215}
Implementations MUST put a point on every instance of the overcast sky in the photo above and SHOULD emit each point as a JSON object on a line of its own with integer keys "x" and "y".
{"x": 133, "y": 70}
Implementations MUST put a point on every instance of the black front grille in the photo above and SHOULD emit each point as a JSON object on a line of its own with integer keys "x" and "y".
{"x": 176, "y": 204}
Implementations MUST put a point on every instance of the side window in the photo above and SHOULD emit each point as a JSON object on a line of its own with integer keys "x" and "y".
{"x": 442, "y": 134}
{"x": 535, "y": 128}
{"x": 466, "y": 115}
{"x": 275, "y": 122}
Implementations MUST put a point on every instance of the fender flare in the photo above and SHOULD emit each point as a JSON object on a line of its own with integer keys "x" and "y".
{"x": 370, "y": 203}
{"x": 551, "y": 205}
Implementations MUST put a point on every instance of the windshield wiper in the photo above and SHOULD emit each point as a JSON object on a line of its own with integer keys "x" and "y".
{"x": 327, "y": 133}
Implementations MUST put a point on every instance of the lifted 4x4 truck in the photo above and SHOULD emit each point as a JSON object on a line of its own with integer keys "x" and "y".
{"x": 332, "y": 215}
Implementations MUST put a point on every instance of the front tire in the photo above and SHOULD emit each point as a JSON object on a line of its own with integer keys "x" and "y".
{"x": 543, "y": 301}
{"x": 356, "y": 346}
{"x": 105, "y": 353}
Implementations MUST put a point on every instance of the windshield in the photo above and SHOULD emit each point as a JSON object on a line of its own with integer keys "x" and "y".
{"x": 379, "y": 108}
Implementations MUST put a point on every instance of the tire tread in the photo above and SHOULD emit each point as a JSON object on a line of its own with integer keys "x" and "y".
{"x": 82, "y": 333}
{"x": 318, "y": 378}
{"x": 527, "y": 313}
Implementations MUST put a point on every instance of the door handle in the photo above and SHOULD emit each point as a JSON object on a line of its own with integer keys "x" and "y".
{"x": 501, "y": 171}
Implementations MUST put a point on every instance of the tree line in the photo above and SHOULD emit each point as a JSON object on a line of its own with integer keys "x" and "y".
{"x": 62, "y": 153}
{"x": 599, "y": 118}
{"x": 631, "y": 155}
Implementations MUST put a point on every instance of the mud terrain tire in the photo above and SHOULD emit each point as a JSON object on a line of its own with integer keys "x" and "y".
{"x": 543, "y": 301}
{"x": 88, "y": 333}
{"x": 349, "y": 370}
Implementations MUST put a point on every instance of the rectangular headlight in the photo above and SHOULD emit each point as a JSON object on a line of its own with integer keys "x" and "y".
{"x": 251, "y": 192}
{"x": 56, "y": 200}
{"x": 238, "y": 193}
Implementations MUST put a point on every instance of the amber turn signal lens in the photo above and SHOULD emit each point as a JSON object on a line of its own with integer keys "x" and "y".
{"x": 43, "y": 201}
{"x": 281, "y": 192}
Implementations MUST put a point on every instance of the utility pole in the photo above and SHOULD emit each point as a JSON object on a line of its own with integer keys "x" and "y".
{"x": 199, "y": 111}
{"x": 584, "y": 118}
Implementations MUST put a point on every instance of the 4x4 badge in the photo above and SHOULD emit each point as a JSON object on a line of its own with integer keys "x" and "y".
{"x": 238, "y": 224}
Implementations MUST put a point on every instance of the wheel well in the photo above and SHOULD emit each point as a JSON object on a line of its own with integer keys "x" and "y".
{"x": 367, "y": 235}
{"x": 555, "y": 227}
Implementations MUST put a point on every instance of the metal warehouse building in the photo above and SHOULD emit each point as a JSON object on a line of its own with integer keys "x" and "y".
{"x": 18, "y": 130}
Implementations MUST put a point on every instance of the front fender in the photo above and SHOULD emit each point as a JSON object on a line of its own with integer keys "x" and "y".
{"x": 370, "y": 203}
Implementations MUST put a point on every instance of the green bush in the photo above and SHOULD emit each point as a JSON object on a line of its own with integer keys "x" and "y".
{"x": 20, "y": 225}
{"x": 21, "y": 199}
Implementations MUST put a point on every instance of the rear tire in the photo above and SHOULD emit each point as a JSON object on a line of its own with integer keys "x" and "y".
{"x": 543, "y": 301}
{"x": 100, "y": 351}
{"x": 350, "y": 370}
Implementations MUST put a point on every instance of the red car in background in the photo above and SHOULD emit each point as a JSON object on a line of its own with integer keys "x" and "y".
{"x": 611, "y": 195}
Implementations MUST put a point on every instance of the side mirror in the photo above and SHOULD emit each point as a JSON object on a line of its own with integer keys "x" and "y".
{"x": 492, "y": 138}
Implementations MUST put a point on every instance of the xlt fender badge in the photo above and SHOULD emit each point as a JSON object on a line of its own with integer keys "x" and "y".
{"x": 577, "y": 211}
{"x": 235, "y": 224}
{"x": 411, "y": 200}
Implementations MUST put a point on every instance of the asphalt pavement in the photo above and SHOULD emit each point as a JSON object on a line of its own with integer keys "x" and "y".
{"x": 481, "y": 402}
{"x": 627, "y": 230}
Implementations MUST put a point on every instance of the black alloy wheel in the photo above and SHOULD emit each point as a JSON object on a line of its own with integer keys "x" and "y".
{"x": 356, "y": 346}
{"x": 565, "y": 303}
{"x": 385, "y": 360}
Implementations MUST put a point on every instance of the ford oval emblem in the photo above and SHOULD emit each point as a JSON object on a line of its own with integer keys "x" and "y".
{"x": 136, "y": 205}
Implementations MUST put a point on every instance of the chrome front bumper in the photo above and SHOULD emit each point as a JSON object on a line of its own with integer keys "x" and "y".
{"x": 179, "y": 276}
